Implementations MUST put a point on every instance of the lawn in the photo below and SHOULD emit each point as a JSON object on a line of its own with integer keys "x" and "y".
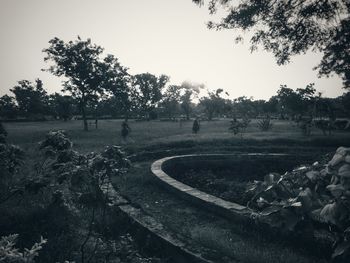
{"x": 148, "y": 133}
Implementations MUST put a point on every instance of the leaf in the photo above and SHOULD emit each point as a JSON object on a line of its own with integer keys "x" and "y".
{"x": 344, "y": 171}
{"x": 290, "y": 219}
{"x": 269, "y": 179}
{"x": 296, "y": 204}
{"x": 341, "y": 249}
{"x": 329, "y": 213}
{"x": 305, "y": 198}
{"x": 270, "y": 210}
{"x": 337, "y": 190}
{"x": 312, "y": 175}
{"x": 337, "y": 158}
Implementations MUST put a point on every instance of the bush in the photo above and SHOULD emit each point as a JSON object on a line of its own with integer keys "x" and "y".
{"x": 8, "y": 252}
{"x": 265, "y": 124}
{"x": 308, "y": 196}
{"x": 63, "y": 199}
{"x": 237, "y": 126}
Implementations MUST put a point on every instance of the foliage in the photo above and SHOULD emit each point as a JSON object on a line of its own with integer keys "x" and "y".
{"x": 171, "y": 100}
{"x": 61, "y": 106}
{"x": 8, "y": 108}
{"x": 11, "y": 157}
{"x": 325, "y": 126}
{"x": 66, "y": 192}
{"x": 288, "y": 28}
{"x": 237, "y": 126}
{"x": 149, "y": 90}
{"x": 9, "y": 253}
{"x": 213, "y": 104}
{"x": 79, "y": 62}
{"x": 191, "y": 91}
{"x": 57, "y": 141}
{"x": 265, "y": 124}
{"x": 305, "y": 126}
{"x": 31, "y": 99}
{"x": 3, "y": 133}
{"x": 308, "y": 194}
{"x": 296, "y": 102}
{"x": 118, "y": 83}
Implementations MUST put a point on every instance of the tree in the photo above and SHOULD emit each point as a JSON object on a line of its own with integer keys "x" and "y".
{"x": 171, "y": 100}
{"x": 292, "y": 27}
{"x": 308, "y": 99}
{"x": 243, "y": 106}
{"x": 345, "y": 102}
{"x": 213, "y": 103}
{"x": 31, "y": 98}
{"x": 191, "y": 91}
{"x": 148, "y": 91}
{"x": 62, "y": 106}
{"x": 79, "y": 62}
{"x": 8, "y": 108}
{"x": 290, "y": 101}
{"x": 117, "y": 81}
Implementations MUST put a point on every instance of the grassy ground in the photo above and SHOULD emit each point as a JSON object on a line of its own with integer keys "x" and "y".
{"x": 28, "y": 134}
{"x": 192, "y": 224}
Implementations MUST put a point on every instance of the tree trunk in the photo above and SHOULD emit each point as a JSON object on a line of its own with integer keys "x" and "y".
{"x": 84, "y": 118}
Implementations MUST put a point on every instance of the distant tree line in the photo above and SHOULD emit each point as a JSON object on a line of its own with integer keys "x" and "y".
{"x": 100, "y": 87}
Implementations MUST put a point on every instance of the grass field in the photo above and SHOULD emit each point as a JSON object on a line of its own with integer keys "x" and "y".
{"x": 146, "y": 133}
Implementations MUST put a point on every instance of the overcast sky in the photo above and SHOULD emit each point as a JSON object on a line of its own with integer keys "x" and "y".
{"x": 157, "y": 36}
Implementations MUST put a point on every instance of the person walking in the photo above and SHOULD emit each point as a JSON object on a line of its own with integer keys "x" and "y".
{"x": 196, "y": 126}
{"x": 125, "y": 130}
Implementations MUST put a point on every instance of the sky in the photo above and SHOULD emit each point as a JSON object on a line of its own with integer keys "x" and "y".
{"x": 157, "y": 36}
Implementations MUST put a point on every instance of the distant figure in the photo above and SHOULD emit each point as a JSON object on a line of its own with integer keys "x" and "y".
{"x": 96, "y": 123}
{"x": 195, "y": 127}
{"x": 125, "y": 130}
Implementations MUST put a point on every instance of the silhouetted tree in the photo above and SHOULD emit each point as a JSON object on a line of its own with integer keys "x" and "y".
{"x": 117, "y": 81}
{"x": 62, "y": 106}
{"x": 31, "y": 98}
{"x": 148, "y": 91}
{"x": 292, "y": 27}
{"x": 171, "y": 100}
{"x": 345, "y": 101}
{"x": 8, "y": 108}
{"x": 213, "y": 103}
{"x": 79, "y": 62}
{"x": 191, "y": 91}
{"x": 290, "y": 101}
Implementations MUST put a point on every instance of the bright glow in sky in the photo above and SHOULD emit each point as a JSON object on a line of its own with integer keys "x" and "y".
{"x": 157, "y": 36}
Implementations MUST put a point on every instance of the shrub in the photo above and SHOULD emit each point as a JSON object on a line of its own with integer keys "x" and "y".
{"x": 310, "y": 194}
{"x": 237, "y": 126}
{"x": 56, "y": 140}
{"x": 9, "y": 253}
{"x": 265, "y": 124}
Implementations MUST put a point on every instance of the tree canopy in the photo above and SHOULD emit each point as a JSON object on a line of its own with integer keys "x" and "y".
{"x": 31, "y": 98}
{"x": 291, "y": 27}
{"x": 79, "y": 62}
{"x": 149, "y": 90}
